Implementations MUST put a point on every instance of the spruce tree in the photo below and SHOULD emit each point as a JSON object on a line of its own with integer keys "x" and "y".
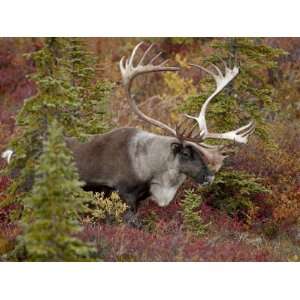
{"x": 82, "y": 68}
{"x": 45, "y": 182}
{"x": 50, "y": 217}
{"x": 66, "y": 93}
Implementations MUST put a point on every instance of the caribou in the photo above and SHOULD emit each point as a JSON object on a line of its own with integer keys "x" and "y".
{"x": 139, "y": 164}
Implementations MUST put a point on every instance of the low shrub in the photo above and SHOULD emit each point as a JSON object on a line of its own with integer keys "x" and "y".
{"x": 234, "y": 192}
{"x": 108, "y": 209}
{"x": 123, "y": 243}
{"x": 278, "y": 163}
{"x": 192, "y": 220}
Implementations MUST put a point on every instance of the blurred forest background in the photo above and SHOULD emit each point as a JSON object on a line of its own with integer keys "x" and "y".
{"x": 56, "y": 87}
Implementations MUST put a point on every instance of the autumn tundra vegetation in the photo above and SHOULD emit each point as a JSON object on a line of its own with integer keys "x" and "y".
{"x": 54, "y": 91}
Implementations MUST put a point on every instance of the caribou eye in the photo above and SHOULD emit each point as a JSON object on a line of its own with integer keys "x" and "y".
{"x": 187, "y": 153}
{"x": 176, "y": 147}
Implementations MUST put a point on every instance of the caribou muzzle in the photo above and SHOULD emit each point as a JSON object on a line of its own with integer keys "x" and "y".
{"x": 205, "y": 179}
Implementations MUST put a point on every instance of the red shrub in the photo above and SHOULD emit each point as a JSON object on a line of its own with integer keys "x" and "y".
{"x": 122, "y": 243}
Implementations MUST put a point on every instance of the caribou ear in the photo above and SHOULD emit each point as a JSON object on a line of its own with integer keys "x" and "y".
{"x": 176, "y": 147}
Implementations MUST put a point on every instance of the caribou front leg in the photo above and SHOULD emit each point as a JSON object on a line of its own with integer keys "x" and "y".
{"x": 130, "y": 216}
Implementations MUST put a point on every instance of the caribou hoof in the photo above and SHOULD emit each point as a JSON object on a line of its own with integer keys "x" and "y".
{"x": 131, "y": 219}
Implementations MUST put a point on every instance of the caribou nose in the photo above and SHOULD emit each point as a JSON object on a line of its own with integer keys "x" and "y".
{"x": 209, "y": 179}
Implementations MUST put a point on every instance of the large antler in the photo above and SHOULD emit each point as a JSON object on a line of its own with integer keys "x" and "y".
{"x": 129, "y": 72}
{"x": 239, "y": 135}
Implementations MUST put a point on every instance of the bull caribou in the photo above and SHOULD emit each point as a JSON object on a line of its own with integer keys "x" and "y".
{"x": 138, "y": 164}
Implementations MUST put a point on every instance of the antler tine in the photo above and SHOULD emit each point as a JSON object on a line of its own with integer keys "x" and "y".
{"x": 191, "y": 131}
{"x": 247, "y": 128}
{"x": 239, "y": 135}
{"x": 163, "y": 63}
{"x": 183, "y": 134}
{"x": 145, "y": 54}
{"x": 134, "y": 52}
{"x": 203, "y": 69}
{"x": 180, "y": 130}
{"x": 218, "y": 70}
{"x": 121, "y": 65}
{"x": 155, "y": 57}
{"x": 222, "y": 61}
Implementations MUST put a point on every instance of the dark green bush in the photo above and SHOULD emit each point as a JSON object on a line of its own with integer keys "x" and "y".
{"x": 233, "y": 192}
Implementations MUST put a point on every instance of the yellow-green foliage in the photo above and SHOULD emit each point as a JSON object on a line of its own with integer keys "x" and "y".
{"x": 192, "y": 220}
{"x": 110, "y": 209}
{"x": 150, "y": 221}
{"x": 178, "y": 84}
